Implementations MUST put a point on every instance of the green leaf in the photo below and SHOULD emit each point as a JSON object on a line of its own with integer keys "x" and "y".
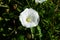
{"x": 21, "y": 37}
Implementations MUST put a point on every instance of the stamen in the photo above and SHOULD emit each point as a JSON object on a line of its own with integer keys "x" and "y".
{"x": 28, "y": 19}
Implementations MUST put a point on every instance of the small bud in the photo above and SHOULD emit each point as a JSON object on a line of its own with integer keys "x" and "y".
{"x": 7, "y": 10}
{"x": 1, "y": 18}
{"x": 15, "y": 32}
{"x": 1, "y": 29}
{"x": 14, "y": 6}
{"x": 4, "y": 34}
{"x": 9, "y": 28}
{"x": 29, "y": 36}
{"x": 7, "y": 19}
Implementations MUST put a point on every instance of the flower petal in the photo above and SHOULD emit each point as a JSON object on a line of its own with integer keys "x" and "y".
{"x": 31, "y": 13}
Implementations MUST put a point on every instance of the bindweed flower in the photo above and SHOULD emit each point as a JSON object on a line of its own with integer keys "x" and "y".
{"x": 39, "y": 1}
{"x": 29, "y": 18}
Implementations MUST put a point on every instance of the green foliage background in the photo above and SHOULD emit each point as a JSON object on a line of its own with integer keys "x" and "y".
{"x": 47, "y": 29}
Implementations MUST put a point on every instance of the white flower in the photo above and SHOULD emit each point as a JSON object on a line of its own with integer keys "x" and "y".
{"x": 39, "y": 1}
{"x": 29, "y": 18}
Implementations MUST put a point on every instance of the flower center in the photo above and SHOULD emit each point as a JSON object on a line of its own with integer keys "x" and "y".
{"x": 28, "y": 19}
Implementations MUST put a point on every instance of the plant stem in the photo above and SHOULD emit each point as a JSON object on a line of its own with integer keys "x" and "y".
{"x": 32, "y": 32}
{"x": 39, "y": 30}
